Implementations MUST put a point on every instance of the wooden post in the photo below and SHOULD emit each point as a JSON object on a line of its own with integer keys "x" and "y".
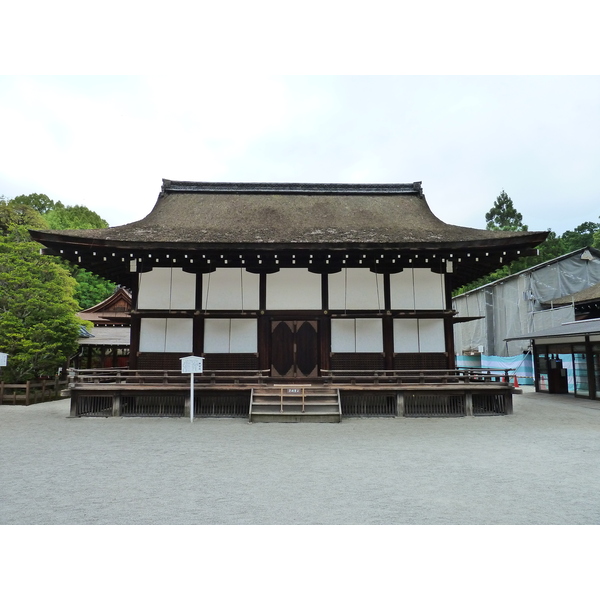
{"x": 116, "y": 405}
{"x": 469, "y": 404}
{"x": 1, "y": 391}
{"x": 400, "y": 404}
{"x": 27, "y": 389}
{"x": 73, "y": 404}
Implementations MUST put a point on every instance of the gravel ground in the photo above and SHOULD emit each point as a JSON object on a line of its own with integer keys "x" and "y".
{"x": 538, "y": 466}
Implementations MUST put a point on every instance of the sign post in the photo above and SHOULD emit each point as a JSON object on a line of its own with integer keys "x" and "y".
{"x": 192, "y": 365}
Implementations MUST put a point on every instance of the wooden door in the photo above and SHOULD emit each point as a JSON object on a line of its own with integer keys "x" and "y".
{"x": 294, "y": 349}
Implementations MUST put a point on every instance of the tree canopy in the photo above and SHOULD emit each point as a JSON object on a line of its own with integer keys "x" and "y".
{"x": 504, "y": 216}
{"x": 40, "y": 295}
{"x": 38, "y": 324}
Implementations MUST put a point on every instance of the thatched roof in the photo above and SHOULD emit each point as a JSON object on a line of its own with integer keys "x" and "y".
{"x": 303, "y": 214}
{"x": 590, "y": 294}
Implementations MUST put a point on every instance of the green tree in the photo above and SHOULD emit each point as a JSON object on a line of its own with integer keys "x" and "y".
{"x": 504, "y": 216}
{"x": 39, "y": 202}
{"x": 13, "y": 215}
{"x": 583, "y": 235}
{"x": 38, "y": 326}
{"x": 74, "y": 217}
{"x": 90, "y": 289}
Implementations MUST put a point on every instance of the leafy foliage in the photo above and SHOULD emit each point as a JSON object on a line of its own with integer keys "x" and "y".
{"x": 74, "y": 217}
{"x": 14, "y": 214}
{"x": 38, "y": 202}
{"x": 503, "y": 216}
{"x": 38, "y": 326}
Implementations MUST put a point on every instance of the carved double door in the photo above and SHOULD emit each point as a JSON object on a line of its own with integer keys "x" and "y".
{"x": 294, "y": 349}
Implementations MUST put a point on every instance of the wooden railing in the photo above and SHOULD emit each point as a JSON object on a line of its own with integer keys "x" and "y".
{"x": 30, "y": 392}
{"x": 79, "y": 377}
{"x": 445, "y": 376}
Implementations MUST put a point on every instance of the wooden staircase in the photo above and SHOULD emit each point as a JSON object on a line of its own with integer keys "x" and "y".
{"x": 292, "y": 403}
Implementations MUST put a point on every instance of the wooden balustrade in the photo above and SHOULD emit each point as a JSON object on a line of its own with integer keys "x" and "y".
{"x": 31, "y": 392}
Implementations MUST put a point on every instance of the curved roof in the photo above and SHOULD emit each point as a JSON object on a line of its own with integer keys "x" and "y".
{"x": 321, "y": 214}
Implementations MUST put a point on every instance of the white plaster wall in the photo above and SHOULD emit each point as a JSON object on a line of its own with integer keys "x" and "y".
{"x": 429, "y": 289}
{"x": 369, "y": 335}
{"x": 230, "y": 289}
{"x": 166, "y": 335}
{"x": 406, "y": 335}
{"x": 356, "y": 335}
{"x": 419, "y": 335}
{"x": 431, "y": 335}
{"x": 244, "y": 335}
{"x": 167, "y": 288}
{"x": 294, "y": 289}
{"x": 343, "y": 335}
{"x": 230, "y": 336}
{"x": 417, "y": 289}
{"x": 356, "y": 289}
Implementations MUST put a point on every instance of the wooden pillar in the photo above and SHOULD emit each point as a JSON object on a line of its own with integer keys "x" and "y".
{"x": 73, "y": 412}
{"x": 116, "y": 405}
{"x": 325, "y": 342}
{"x": 264, "y": 342}
{"x": 388, "y": 342}
{"x": 469, "y": 404}
{"x": 134, "y": 344}
{"x": 400, "y": 404}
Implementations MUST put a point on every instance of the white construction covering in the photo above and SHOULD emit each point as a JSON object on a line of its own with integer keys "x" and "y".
{"x": 518, "y": 304}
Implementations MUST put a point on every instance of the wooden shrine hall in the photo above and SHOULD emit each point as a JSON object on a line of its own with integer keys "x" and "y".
{"x": 303, "y": 299}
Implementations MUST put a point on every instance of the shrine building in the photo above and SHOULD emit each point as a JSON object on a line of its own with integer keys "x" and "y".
{"x": 293, "y": 284}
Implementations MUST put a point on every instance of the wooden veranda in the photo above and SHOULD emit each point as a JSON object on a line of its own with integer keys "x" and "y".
{"x": 256, "y": 395}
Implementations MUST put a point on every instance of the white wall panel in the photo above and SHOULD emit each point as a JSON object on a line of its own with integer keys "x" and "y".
{"x": 343, "y": 335}
{"x": 294, "y": 289}
{"x": 153, "y": 335}
{"x": 155, "y": 289}
{"x": 419, "y": 335}
{"x": 431, "y": 335}
{"x": 180, "y": 334}
{"x": 166, "y": 335}
{"x": 164, "y": 288}
{"x": 183, "y": 293}
{"x": 230, "y": 336}
{"x": 356, "y": 289}
{"x": 369, "y": 335}
{"x": 244, "y": 336}
{"x": 216, "y": 335}
{"x": 356, "y": 335}
{"x": 406, "y": 335}
{"x": 429, "y": 289}
{"x": 403, "y": 290}
{"x": 230, "y": 289}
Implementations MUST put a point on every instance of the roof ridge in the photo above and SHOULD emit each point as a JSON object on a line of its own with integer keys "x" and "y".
{"x": 292, "y": 188}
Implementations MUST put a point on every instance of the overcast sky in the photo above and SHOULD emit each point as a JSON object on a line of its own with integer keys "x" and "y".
{"x": 108, "y": 141}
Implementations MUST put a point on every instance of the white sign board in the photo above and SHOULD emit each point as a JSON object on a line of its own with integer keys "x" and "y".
{"x": 192, "y": 364}
{"x": 3, "y": 359}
